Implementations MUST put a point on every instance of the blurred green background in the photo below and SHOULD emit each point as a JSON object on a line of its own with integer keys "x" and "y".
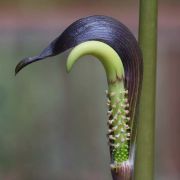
{"x": 53, "y": 124}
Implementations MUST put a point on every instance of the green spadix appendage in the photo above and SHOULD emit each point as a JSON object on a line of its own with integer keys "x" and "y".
{"x": 108, "y": 57}
{"x": 117, "y": 101}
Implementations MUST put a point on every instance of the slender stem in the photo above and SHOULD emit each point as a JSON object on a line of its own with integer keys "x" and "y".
{"x": 144, "y": 165}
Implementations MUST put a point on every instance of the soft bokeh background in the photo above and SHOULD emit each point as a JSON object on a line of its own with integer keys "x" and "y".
{"x": 53, "y": 124}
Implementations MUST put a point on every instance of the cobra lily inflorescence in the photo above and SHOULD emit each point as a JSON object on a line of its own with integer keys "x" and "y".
{"x": 115, "y": 46}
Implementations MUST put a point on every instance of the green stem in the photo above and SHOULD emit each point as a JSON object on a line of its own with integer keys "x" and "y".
{"x": 144, "y": 164}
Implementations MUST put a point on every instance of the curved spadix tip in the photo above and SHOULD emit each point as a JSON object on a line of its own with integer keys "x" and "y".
{"x": 77, "y": 52}
{"x": 106, "y": 54}
{"x": 69, "y": 63}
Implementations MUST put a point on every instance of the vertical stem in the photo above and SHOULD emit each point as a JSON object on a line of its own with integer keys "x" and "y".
{"x": 144, "y": 165}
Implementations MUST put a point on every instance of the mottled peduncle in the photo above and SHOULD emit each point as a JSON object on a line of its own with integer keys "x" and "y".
{"x": 117, "y": 100}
